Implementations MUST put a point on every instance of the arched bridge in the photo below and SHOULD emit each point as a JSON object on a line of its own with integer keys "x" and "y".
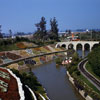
{"x": 75, "y": 44}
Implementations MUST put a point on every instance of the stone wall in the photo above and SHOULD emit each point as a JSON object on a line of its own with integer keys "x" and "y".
{"x": 71, "y": 79}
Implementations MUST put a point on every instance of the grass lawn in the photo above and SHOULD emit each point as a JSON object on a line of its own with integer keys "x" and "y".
{"x": 88, "y": 67}
{"x": 9, "y": 47}
{"x": 89, "y": 83}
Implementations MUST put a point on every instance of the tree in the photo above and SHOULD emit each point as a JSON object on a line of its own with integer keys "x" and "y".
{"x": 10, "y": 32}
{"x": 94, "y": 60}
{"x": 75, "y": 58}
{"x": 1, "y": 36}
{"x": 41, "y": 29}
{"x": 54, "y": 29}
{"x": 69, "y": 32}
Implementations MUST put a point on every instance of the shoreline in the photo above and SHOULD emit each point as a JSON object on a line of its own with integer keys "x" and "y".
{"x": 81, "y": 92}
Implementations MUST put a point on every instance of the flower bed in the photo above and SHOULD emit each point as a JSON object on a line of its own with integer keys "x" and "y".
{"x": 23, "y": 53}
{"x": 21, "y": 45}
{"x": 43, "y": 58}
{"x": 58, "y": 49}
{"x": 17, "y": 52}
{"x": 36, "y": 51}
{"x": 44, "y": 50}
{"x": 49, "y": 57}
{"x": 1, "y": 62}
{"x": 6, "y": 60}
{"x": 27, "y": 44}
{"x": 13, "y": 66}
{"x": 21, "y": 63}
{"x": 12, "y": 90}
{"x": 46, "y": 47}
{"x": 30, "y": 52}
{"x": 12, "y": 56}
{"x": 37, "y": 59}
{"x": 51, "y": 49}
{"x": 2, "y": 54}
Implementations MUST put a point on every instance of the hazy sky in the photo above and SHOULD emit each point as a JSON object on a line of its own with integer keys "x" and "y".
{"x": 21, "y": 15}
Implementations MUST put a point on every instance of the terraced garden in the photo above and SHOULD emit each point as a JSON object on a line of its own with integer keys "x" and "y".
{"x": 8, "y": 86}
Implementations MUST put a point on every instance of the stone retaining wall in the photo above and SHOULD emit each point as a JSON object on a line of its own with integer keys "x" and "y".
{"x": 71, "y": 79}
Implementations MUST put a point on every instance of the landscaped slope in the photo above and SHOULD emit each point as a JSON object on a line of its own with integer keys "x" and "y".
{"x": 8, "y": 86}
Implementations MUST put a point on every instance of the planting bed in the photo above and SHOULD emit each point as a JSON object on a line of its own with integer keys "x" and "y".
{"x": 21, "y": 45}
{"x": 27, "y": 44}
{"x": 1, "y": 62}
{"x": 13, "y": 66}
{"x": 44, "y": 49}
{"x": 12, "y": 87}
{"x": 2, "y": 54}
{"x": 37, "y": 59}
{"x": 36, "y": 50}
{"x": 23, "y": 53}
{"x": 43, "y": 58}
{"x": 30, "y": 52}
{"x": 12, "y": 56}
{"x": 6, "y": 60}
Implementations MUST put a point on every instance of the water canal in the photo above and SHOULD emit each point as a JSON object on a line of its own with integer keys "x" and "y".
{"x": 55, "y": 81}
{"x": 80, "y": 53}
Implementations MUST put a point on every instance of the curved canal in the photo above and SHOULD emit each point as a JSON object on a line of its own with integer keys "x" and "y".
{"x": 55, "y": 81}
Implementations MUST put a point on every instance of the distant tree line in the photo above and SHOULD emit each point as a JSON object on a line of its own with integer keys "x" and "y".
{"x": 5, "y": 42}
{"x": 1, "y": 36}
{"x": 42, "y": 34}
{"x": 91, "y": 35}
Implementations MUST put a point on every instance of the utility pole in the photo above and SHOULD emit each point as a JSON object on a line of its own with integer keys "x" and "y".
{"x": 91, "y": 35}
{"x": 0, "y": 32}
{"x": 10, "y": 33}
{"x": 0, "y": 28}
{"x": 80, "y": 36}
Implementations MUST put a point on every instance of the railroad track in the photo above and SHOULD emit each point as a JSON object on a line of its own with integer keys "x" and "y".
{"x": 89, "y": 76}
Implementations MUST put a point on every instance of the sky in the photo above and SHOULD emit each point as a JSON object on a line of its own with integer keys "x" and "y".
{"x": 21, "y": 15}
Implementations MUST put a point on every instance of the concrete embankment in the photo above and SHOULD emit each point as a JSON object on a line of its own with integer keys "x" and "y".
{"x": 81, "y": 92}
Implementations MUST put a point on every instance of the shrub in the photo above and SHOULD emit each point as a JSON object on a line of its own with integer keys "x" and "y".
{"x": 94, "y": 60}
{"x": 59, "y": 61}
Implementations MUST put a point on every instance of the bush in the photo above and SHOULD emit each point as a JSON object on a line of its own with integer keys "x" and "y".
{"x": 94, "y": 60}
{"x": 78, "y": 73}
{"x": 21, "y": 63}
{"x": 72, "y": 69}
{"x": 59, "y": 61}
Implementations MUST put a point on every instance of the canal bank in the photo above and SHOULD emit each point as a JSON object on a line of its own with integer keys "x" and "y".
{"x": 81, "y": 92}
{"x": 56, "y": 82}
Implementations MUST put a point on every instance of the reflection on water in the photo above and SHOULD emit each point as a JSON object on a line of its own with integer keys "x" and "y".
{"x": 54, "y": 79}
{"x": 80, "y": 53}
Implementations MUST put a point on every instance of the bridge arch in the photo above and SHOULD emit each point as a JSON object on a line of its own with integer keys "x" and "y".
{"x": 63, "y": 45}
{"x": 84, "y": 44}
{"x": 58, "y": 45}
{"x": 70, "y": 46}
{"x": 79, "y": 46}
{"x": 94, "y": 46}
{"x": 87, "y": 46}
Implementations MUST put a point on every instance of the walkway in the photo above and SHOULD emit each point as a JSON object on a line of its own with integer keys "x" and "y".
{"x": 89, "y": 76}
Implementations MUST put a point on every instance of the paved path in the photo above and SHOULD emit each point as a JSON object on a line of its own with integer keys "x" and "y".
{"x": 89, "y": 76}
